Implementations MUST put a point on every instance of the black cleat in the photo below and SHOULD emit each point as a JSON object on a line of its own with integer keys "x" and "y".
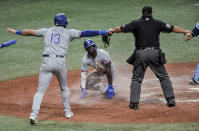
{"x": 133, "y": 106}
{"x": 171, "y": 102}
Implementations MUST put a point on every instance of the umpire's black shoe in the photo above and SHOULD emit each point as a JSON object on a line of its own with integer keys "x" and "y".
{"x": 133, "y": 106}
{"x": 171, "y": 102}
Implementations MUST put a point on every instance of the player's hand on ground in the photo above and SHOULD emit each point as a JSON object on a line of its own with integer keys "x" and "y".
{"x": 110, "y": 91}
{"x": 11, "y": 30}
{"x": 83, "y": 93}
{"x": 188, "y": 36}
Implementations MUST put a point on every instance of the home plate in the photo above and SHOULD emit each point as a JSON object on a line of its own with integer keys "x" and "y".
{"x": 197, "y": 4}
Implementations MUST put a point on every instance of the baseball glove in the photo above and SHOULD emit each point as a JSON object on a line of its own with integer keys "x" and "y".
{"x": 106, "y": 40}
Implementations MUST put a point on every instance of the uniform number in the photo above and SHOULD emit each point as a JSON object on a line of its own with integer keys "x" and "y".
{"x": 55, "y": 38}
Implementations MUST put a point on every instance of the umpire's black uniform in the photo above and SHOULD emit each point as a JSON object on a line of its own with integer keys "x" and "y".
{"x": 146, "y": 31}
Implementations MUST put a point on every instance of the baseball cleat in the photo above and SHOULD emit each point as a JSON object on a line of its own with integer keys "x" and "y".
{"x": 192, "y": 82}
{"x": 171, "y": 102}
{"x": 69, "y": 114}
{"x": 33, "y": 120}
{"x": 133, "y": 106}
{"x": 84, "y": 92}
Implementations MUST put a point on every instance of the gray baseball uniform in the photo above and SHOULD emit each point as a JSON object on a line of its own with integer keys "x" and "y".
{"x": 56, "y": 43}
{"x": 95, "y": 79}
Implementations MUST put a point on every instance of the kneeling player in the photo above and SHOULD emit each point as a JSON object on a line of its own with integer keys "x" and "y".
{"x": 101, "y": 61}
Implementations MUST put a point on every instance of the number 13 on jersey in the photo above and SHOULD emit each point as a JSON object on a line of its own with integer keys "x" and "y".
{"x": 55, "y": 38}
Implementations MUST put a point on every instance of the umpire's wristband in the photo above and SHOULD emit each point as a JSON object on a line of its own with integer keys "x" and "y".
{"x": 19, "y": 32}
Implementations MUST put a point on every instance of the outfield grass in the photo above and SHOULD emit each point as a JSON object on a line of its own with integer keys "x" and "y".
{"x": 19, "y": 124}
{"x": 24, "y": 58}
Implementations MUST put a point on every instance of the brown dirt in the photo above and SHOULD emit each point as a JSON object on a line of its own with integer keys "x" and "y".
{"x": 16, "y": 99}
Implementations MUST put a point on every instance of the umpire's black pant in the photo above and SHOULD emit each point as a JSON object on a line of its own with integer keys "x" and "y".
{"x": 143, "y": 59}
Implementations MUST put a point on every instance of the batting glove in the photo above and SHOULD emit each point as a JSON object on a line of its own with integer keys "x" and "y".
{"x": 110, "y": 91}
{"x": 83, "y": 93}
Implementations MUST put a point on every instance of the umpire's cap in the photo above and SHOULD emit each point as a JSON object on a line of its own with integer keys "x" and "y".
{"x": 146, "y": 10}
{"x": 61, "y": 19}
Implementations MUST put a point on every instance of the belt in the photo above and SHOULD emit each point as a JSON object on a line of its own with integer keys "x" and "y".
{"x": 146, "y": 48}
{"x": 46, "y": 55}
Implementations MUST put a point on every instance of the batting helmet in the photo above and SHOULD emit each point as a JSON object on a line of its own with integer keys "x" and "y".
{"x": 61, "y": 19}
{"x": 88, "y": 43}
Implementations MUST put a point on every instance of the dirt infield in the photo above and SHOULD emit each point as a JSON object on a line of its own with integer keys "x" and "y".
{"x": 16, "y": 99}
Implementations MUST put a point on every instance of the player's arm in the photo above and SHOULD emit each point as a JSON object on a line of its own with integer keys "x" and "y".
{"x": 7, "y": 43}
{"x": 109, "y": 75}
{"x": 90, "y": 33}
{"x": 177, "y": 29}
{"x": 27, "y": 32}
{"x": 116, "y": 30}
{"x": 110, "y": 91}
{"x": 84, "y": 70}
{"x": 124, "y": 28}
{"x": 83, "y": 79}
{"x": 83, "y": 84}
{"x": 194, "y": 33}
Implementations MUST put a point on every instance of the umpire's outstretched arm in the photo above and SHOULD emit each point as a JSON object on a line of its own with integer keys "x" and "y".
{"x": 176, "y": 29}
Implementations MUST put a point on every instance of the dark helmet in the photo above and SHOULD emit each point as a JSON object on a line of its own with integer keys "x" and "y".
{"x": 88, "y": 43}
{"x": 61, "y": 19}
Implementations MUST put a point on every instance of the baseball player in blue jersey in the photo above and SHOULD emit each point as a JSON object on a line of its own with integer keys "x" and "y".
{"x": 56, "y": 43}
{"x": 6, "y": 44}
{"x": 195, "y": 32}
{"x": 101, "y": 62}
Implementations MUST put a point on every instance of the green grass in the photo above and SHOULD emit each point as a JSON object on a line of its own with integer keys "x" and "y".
{"x": 19, "y": 124}
{"x": 24, "y": 58}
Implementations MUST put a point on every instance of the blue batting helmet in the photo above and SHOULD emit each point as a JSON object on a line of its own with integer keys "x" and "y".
{"x": 88, "y": 43}
{"x": 61, "y": 19}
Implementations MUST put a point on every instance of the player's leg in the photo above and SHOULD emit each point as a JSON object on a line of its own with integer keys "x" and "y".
{"x": 95, "y": 81}
{"x": 195, "y": 77}
{"x": 61, "y": 74}
{"x": 136, "y": 81}
{"x": 139, "y": 69}
{"x": 44, "y": 79}
{"x": 165, "y": 81}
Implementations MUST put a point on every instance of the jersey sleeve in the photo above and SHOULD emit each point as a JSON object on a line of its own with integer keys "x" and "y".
{"x": 128, "y": 27}
{"x": 105, "y": 57}
{"x": 197, "y": 26}
{"x": 74, "y": 34}
{"x": 195, "y": 31}
{"x": 84, "y": 65}
{"x": 41, "y": 32}
{"x": 166, "y": 27}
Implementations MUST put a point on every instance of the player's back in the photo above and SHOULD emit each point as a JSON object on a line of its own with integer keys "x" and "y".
{"x": 56, "y": 41}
